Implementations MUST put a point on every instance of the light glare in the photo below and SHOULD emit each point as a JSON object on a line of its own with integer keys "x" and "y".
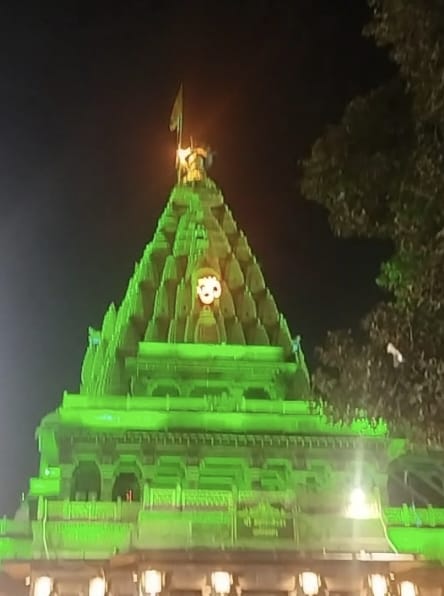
{"x": 407, "y": 588}
{"x": 221, "y": 582}
{"x": 183, "y": 153}
{"x": 152, "y": 582}
{"x": 310, "y": 583}
{"x": 378, "y": 584}
{"x": 97, "y": 586}
{"x": 357, "y": 497}
{"x": 43, "y": 586}
{"x": 359, "y": 506}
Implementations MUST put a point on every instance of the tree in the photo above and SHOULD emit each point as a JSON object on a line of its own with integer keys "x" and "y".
{"x": 380, "y": 174}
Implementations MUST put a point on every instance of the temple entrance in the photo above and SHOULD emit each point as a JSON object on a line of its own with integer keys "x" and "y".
{"x": 86, "y": 482}
{"x": 127, "y": 487}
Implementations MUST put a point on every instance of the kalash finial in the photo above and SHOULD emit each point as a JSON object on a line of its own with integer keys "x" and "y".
{"x": 191, "y": 162}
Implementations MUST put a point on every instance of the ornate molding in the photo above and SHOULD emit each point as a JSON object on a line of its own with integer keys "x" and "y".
{"x": 235, "y": 440}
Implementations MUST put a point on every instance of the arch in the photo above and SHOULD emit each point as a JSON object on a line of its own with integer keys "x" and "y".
{"x": 165, "y": 390}
{"x": 209, "y": 390}
{"x": 86, "y": 482}
{"x": 127, "y": 485}
{"x": 256, "y": 393}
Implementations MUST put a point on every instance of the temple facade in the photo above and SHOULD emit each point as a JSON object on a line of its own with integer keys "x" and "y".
{"x": 191, "y": 461}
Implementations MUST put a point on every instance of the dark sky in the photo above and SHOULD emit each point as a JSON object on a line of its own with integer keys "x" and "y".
{"x": 86, "y": 165}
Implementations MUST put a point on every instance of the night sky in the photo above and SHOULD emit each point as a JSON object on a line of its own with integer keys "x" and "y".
{"x": 87, "y": 162}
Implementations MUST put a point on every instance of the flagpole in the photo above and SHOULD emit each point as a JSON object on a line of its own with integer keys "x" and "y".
{"x": 180, "y": 127}
{"x": 179, "y": 144}
{"x": 179, "y": 130}
{"x": 176, "y": 123}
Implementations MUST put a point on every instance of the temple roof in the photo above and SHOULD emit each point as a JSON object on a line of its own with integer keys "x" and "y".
{"x": 198, "y": 281}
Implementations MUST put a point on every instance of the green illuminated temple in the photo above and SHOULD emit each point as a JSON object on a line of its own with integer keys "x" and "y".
{"x": 191, "y": 447}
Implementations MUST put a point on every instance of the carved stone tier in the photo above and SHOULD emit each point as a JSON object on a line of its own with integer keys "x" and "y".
{"x": 197, "y": 242}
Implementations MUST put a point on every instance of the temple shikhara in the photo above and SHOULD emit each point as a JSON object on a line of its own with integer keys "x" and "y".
{"x": 190, "y": 461}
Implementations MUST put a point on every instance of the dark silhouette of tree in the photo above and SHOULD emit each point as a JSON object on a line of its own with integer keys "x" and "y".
{"x": 380, "y": 174}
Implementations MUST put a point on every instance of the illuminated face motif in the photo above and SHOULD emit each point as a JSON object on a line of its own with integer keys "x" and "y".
{"x": 208, "y": 289}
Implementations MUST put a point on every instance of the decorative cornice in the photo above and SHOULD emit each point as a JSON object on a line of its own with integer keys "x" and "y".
{"x": 184, "y": 439}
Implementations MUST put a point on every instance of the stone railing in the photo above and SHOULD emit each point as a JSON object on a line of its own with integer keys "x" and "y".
{"x": 91, "y": 510}
{"x": 12, "y": 527}
{"x": 406, "y": 516}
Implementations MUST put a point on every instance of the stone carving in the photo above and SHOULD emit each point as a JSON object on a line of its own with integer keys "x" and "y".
{"x": 192, "y": 163}
{"x": 208, "y": 289}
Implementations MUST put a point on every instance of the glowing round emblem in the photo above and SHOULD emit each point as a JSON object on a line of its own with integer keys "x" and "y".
{"x": 208, "y": 289}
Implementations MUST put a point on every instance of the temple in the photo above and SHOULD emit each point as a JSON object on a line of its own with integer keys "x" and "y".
{"x": 191, "y": 461}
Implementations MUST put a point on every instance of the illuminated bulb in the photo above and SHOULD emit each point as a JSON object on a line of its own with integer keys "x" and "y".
{"x": 97, "y": 586}
{"x": 357, "y": 497}
{"x": 359, "y": 506}
{"x": 152, "y": 582}
{"x": 221, "y": 582}
{"x": 182, "y": 153}
{"x": 407, "y": 589}
{"x": 378, "y": 584}
{"x": 43, "y": 586}
{"x": 310, "y": 582}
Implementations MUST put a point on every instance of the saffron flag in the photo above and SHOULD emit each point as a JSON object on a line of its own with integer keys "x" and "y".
{"x": 177, "y": 111}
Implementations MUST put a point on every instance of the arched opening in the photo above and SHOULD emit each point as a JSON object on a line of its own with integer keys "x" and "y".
{"x": 127, "y": 487}
{"x": 205, "y": 391}
{"x": 256, "y": 393}
{"x": 165, "y": 391}
{"x": 86, "y": 482}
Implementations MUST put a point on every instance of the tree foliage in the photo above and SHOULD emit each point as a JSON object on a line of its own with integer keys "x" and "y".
{"x": 380, "y": 174}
